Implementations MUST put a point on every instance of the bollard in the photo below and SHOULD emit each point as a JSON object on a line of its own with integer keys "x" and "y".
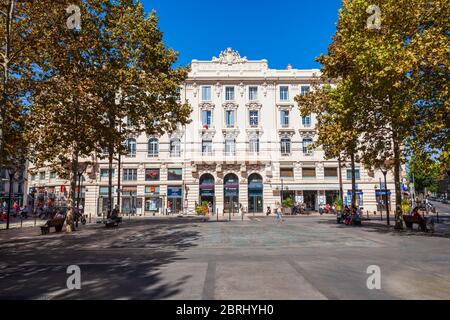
{"x": 35, "y": 220}
{"x": 381, "y": 215}
{"x": 89, "y": 217}
{"x": 21, "y": 220}
{"x": 217, "y": 214}
{"x": 437, "y": 216}
{"x": 229, "y": 215}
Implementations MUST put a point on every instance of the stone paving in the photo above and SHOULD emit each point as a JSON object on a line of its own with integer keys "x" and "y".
{"x": 258, "y": 258}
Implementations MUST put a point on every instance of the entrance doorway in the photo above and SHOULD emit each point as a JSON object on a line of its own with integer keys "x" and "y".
{"x": 231, "y": 193}
{"x": 310, "y": 198}
{"x": 207, "y": 190}
{"x": 255, "y": 194}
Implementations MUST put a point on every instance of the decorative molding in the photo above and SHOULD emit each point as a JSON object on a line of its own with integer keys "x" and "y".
{"x": 230, "y": 133}
{"x": 218, "y": 88}
{"x": 207, "y": 106}
{"x": 287, "y": 106}
{"x": 242, "y": 89}
{"x": 230, "y": 57}
{"x": 254, "y": 133}
{"x": 286, "y": 133}
{"x": 254, "y": 106}
{"x": 230, "y": 106}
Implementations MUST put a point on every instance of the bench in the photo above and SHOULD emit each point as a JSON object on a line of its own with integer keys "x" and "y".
{"x": 54, "y": 223}
{"x": 411, "y": 220}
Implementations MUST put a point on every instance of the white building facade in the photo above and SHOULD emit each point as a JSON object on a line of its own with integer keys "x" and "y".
{"x": 247, "y": 144}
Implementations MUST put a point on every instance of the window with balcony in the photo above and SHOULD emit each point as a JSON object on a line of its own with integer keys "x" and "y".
{"x": 307, "y": 146}
{"x": 254, "y": 118}
{"x": 285, "y": 146}
{"x": 230, "y": 147}
{"x": 306, "y": 121}
{"x": 153, "y": 148}
{"x": 230, "y": 118}
{"x": 254, "y": 146}
{"x": 284, "y": 93}
{"x": 284, "y": 118}
{"x": 175, "y": 148}
{"x": 206, "y": 118}
{"x": 206, "y": 93}
{"x": 229, "y": 93}
{"x": 308, "y": 173}
{"x": 129, "y": 174}
{"x": 131, "y": 147}
{"x": 207, "y": 147}
{"x": 253, "y": 93}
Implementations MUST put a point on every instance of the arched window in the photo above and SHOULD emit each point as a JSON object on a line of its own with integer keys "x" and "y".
{"x": 307, "y": 143}
{"x": 153, "y": 148}
{"x": 131, "y": 147}
{"x": 175, "y": 148}
{"x": 285, "y": 146}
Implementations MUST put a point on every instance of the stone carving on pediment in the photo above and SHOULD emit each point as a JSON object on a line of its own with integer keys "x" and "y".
{"x": 230, "y": 57}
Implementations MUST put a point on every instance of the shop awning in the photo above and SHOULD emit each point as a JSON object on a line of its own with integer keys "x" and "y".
{"x": 307, "y": 187}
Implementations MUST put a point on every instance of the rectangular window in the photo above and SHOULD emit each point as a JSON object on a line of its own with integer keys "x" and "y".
{"x": 229, "y": 118}
{"x": 284, "y": 118}
{"x": 42, "y": 175}
{"x": 304, "y": 90}
{"x": 306, "y": 121}
{"x": 285, "y": 146}
{"x": 206, "y": 93}
{"x": 357, "y": 174}
{"x": 230, "y": 147}
{"x": 287, "y": 173}
{"x": 206, "y": 118}
{"x": 254, "y": 118}
{"x": 33, "y": 177}
{"x": 104, "y": 173}
{"x": 330, "y": 173}
{"x": 52, "y": 175}
{"x": 253, "y": 93}
{"x": 207, "y": 147}
{"x": 129, "y": 174}
{"x": 309, "y": 173}
{"x": 307, "y": 146}
{"x": 175, "y": 174}
{"x": 254, "y": 146}
{"x": 152, "y": 174}
{"x": 104, "y": 191}
{"x": 229, "y": 93}
{"x": 284, "y": 93}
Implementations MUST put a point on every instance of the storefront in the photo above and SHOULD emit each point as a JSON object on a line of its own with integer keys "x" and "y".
{"x": 174, "y": 199}
{"x": 207, "y": 189}
{"x": 231, "y": 193}
{"x": 153, "y": 200}
{"x": 130, "y": 201}
{"x": 255, "y": 194}
{"x": 359, "y": 198}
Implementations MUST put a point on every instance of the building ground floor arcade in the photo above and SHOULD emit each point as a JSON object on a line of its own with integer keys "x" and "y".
{"x": 151, "y": 190}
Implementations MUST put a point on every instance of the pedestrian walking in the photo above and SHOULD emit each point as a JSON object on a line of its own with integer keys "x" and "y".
{"x": 279, "y": 213}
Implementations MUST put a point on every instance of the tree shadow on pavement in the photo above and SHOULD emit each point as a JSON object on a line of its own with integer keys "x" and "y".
{"x": 123, "y": 263}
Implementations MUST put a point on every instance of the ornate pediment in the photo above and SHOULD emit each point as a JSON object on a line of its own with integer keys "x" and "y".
{"x": 207, "y": 106}
{"x": 230, "y": 106}
{"x": 230, "y": 57}
{"x": 254, "y": 106}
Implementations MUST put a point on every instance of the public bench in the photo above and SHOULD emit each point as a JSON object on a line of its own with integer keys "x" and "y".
{"x": 411, "y": 220}
{"x": 54, "y": 223}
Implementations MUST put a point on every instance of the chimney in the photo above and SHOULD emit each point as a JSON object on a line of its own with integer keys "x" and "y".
{"x": 289, "y": 67}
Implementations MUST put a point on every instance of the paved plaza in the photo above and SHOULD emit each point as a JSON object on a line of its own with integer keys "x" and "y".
{"x": 258, "y": 258}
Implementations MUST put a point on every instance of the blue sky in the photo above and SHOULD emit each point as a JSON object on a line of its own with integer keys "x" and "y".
{"x": 283, "y": 32}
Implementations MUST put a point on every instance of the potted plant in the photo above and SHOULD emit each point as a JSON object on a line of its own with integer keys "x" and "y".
{"x": 287, "y": 205}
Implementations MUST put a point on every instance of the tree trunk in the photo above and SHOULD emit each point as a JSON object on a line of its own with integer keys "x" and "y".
{"x": 8, "y": 213}
{"x": 341, "y": 185}
{"x": 352, "y": 159}
{"x": 70, "y": 218}
{"x": 9, "y": 20}
{"x": 398, "y": 191}
{"x": 110, "y": 181}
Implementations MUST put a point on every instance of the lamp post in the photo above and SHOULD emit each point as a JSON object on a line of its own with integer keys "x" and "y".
{"x": 384, "y": 171}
